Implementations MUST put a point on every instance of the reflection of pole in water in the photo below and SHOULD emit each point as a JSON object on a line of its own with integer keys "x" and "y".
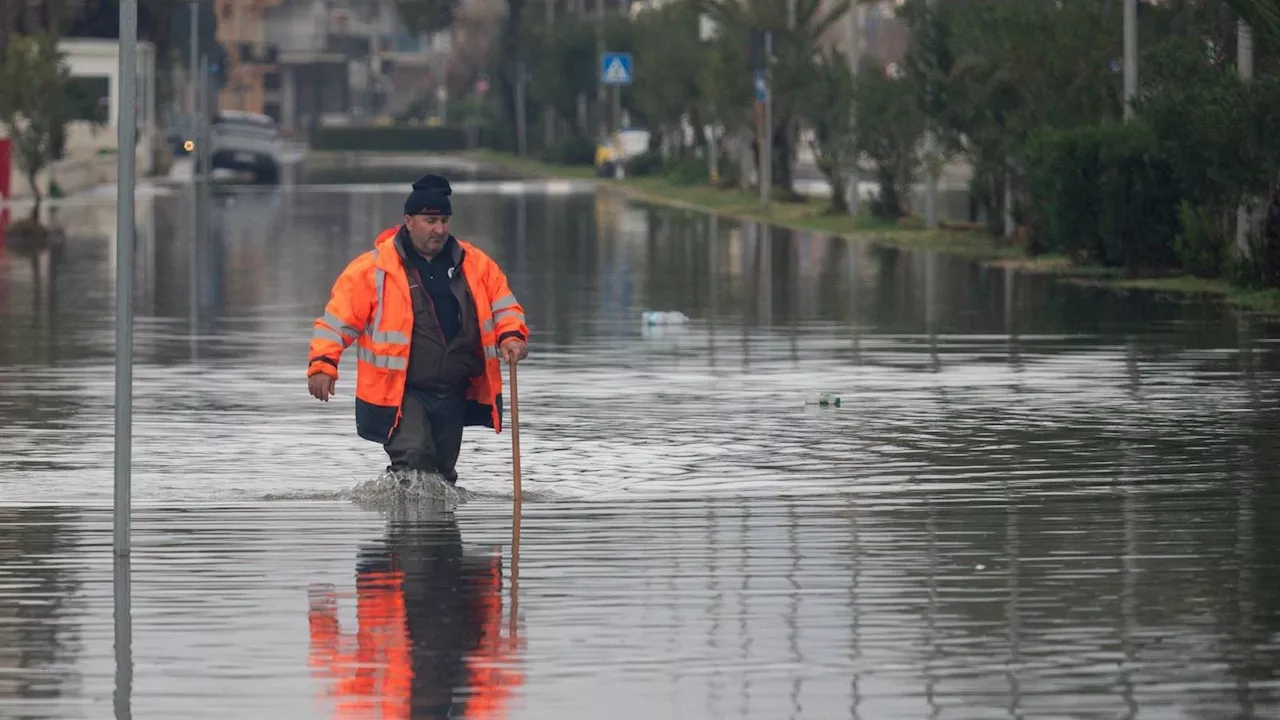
{"x": 793, "y": 616}
{"x": 122, "y": 696}
{"x": 854, "y": 252}
{"x": 512, "y": 623}
{"x": 1128, "y": 585}
{"x": 1010, "y": 328}
{"x": 1012, "y": 613}
{"x": 1245, "y": 547}
{"x": 931, "y": 609}
{"x": 713, "y": 289}
{"x": 930, "y": 305}
{"x": 766, "y": 274}
{"x": 147, "y": 246}
{"x": 750, "y": 239}
{"x": 714, "y": 611}
{"x": 855, "y": 616}
{"x": 549, "y": 297}
{"x": 193, "y": 276}
{"x": 795, "y": 284}
{"x": 42, "y": 288}
{"x": 745, "y": 707}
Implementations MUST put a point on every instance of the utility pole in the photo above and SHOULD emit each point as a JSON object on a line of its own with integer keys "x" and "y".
{"x": 766, "y": 142}
{"x": 1130, "y": 56}
{"x": 1244, "y": 65}
{"x": 932, "y": 170}
{"x": 194, "y": 6}
{"x": 792, "y": 136}
{"x": 549, "y": 112}
{"x": 600, "y": 99}
{"x": 855, "y": 66}
{"x": 522, "y": 142}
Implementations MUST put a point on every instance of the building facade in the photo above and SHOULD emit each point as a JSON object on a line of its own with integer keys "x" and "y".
{"x": 344, "y": 61}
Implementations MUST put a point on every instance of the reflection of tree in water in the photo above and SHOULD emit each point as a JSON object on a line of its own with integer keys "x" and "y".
{"x": 36, "y": 640}
{"x": 430, "y": 640}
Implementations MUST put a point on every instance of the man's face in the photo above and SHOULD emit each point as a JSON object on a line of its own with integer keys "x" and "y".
{"x": 428, "y": 232}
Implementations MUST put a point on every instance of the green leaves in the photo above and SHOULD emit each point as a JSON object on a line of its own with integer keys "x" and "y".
{"x": 669, "y": 86}
{"x": 35, "y": 104}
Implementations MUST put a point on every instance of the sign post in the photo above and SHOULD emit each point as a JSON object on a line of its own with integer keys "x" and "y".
{"x": 615, "y": 70}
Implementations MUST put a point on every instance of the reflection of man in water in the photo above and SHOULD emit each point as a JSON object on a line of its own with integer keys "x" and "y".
{"x": 429, "y": 635}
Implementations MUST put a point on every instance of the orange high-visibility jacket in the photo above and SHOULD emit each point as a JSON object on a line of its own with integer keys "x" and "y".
{"x": 370, "y": 306}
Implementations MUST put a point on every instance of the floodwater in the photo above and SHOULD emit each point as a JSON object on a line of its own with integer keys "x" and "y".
{"x": 1035, "y": 500}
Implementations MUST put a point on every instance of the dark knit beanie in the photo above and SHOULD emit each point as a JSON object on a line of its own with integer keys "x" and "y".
{"x": 430, "y": 195}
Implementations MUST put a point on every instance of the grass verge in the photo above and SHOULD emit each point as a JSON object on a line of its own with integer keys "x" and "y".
{"x": 907, "y": 233}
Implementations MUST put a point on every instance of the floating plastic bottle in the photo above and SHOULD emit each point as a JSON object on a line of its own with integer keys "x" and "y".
{"x": 825, "y": 399}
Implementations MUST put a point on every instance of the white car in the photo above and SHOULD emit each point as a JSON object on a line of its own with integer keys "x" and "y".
{"x": 246, "y": 142}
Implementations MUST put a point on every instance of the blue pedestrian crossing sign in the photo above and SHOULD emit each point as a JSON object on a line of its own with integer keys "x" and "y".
{"x": 615, "y": 68}
{"x": 762, "y": 86}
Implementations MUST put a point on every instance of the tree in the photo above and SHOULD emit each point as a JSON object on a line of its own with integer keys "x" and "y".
{"x": 827, "y": 105}
{"x": 794, "y": 51}
{"x": 564, "y": 67}
{"x": 35, "y": 104}
{"x": 889, "y": 124}
{"x": 667, "y": 92}
{"x": 989, "y": 73}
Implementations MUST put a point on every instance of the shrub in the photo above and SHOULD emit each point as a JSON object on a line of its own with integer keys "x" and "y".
{"x": 686, "y": 170}
{"x": 1105, "y": 194}
{"x": 573, "y": 150}
{"x": 645, "y": 164}
{"x": 1201, "y": 245}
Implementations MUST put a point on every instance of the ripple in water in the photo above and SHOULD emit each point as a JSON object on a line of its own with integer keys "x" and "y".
{"x": 392, "y": 488}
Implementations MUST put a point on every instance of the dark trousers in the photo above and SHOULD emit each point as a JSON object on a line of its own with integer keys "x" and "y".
{"x": 429, "y": 436}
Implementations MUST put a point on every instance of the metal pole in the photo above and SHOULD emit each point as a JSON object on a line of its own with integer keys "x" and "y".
{"x": 126, "y": 158}
{"x": 766, "y": 145}
{"x": 549, "y": 112}
{"x": 600, "y": 99}
{"x": 1130, "y": 55}
{"x": 1244, "y": 50}
{"x": 793, "y": 134}
{"x": 1244, "y": 65}
{"x": 192, "y": 66}
{"x": 931, "y": 219}
{"x": 617, "y": 108}
{"x": 521, "y": 137}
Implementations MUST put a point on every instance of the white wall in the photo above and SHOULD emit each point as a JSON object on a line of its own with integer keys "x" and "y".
{"x": 82, "y": 166}
{"x": 101, "y": 58}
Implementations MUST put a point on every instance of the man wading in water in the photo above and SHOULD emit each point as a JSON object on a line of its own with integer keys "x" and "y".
{"x": 429, "y": 315}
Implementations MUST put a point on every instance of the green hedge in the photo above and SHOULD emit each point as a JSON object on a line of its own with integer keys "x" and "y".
{"x": 395, "y": 138}
{"x": 572, "y": 150}
{"x": 1105, "y": 194}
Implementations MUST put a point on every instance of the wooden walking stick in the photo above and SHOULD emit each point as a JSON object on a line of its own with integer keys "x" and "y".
{"x": 515, "y": 432}
{"x": 517, "y": 497}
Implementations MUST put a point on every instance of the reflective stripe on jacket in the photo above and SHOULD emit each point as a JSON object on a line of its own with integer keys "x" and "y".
{"x": 370, "y": 306}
